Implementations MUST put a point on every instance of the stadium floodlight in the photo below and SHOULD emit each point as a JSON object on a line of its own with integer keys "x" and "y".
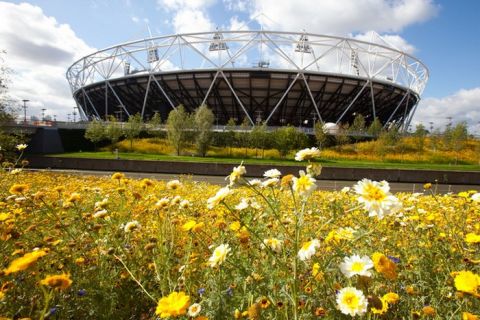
{"x": 354, "y": 62}
{"x": 218, "y": 43}
{"x": 152, "y": 55}
{"x": 303, "y": 45}
{"x": 126, "y": 68}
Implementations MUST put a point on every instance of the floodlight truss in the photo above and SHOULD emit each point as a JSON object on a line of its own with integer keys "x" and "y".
{"x": 299, "y": 53}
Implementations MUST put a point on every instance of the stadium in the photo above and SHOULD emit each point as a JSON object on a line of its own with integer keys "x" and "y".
{"x": 272, "y": 77}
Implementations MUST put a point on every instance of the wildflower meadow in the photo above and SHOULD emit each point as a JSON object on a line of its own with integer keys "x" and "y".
{"x": 84, "y": 247}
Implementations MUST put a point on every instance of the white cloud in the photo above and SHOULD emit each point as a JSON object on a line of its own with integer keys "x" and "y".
{"x": 342, "y": 16}
{"x": 185, "y": 4}
{"x": 236, "y": 24}
{"x": 389, "y": 40}
{"x": 463, "y": 105}
{"x": 191, "y": 20}
{"x": 189, "y": 15}
{"x": 39, "y": 56}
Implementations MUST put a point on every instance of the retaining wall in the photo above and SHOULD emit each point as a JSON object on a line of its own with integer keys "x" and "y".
{"x": 221, "y": 169}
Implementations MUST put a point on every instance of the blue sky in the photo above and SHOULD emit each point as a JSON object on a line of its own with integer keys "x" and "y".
{"x": 442, "y": 34}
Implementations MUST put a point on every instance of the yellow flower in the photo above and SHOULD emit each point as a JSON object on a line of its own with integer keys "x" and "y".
{"x": 335, "y": 236}
{"x": 173, "y": 184}
{"x": 469, "y": 316}
{"x": 74, "y": 197}
{"x": 194, "y": 310}
{"x": 467, "y": 281}
{"x": 236, "y": 174}
{"x": 316, "y": 273}
{"x": 384, "y": 265}
{"x": 118, "y": 176}
{"x": 274, "y": 244}
{"x": 24, "y": 262}
{"x": 379, "y": 306}
{"x": 308, "y": 249}
{"x": 131, "y": 226}
{"x": 221, "y": 195}
{"x": 189, "y": 225}
{"x": 429, "y": 311}
{"x": 351, "y": 301}
{"x": 307, "y": 154}
{"x": 175, "y": 304}
{"x": 219, "y": 255}
{"x": 235, "y": 226}
{"x": 391, "y": 297}
{"x": 21, "y": 147}
{"x": 61, "y": 281}
{"x": 472, "y": 238}
{"x": 376, "y": 198}
{"x": 19, "y": 189}
{"x": 304, "y": 185}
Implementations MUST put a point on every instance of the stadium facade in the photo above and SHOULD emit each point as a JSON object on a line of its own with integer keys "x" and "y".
{"x": 275, "y": 77}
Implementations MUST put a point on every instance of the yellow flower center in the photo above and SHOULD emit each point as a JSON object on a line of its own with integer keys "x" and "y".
{"x": 374, "y": 193}
{"x": 351, "y": 300}
{"x": 306, "y": 245}
{"x": 357, "y": 266}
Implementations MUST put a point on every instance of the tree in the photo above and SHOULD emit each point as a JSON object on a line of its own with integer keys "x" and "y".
{"x": 375, "y": 128}
{"x": 341, "y": 137}
{"x": 420, "y": 135}
{"x": 390, "y": 137}
{"x": 178, "y": 124}
{"x": 230, "y": 135}
{"x": 95, "y": 132}
{"x": 258, "y": 138}
{"x": 320, "y": 135}
{"x": 459, "y": 136}
{"x": 154, "y": 125}
{"x": 113, "y": 131}
{"x": 242, "y": 136}
{"x": 133, "y": 128}
{"x": 357, "y": 128}
{"x": 286, "y": 139}
{"x": 203, "y": 121}
{"x": 8, "y": 140}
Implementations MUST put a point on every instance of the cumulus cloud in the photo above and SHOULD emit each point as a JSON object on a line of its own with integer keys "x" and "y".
{"x": 463, "y": 105}
{"x": 39, "y": 55}
{"x": 343, "y": 16}
{"x": 188, "y": 15}
{"x": 389, "y": 40}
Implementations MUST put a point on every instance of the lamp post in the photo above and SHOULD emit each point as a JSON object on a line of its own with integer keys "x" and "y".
{"x": 25, "y": 110}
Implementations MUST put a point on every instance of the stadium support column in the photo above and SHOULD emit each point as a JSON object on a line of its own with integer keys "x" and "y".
{"x": 238, "y": 99}
{"x": 352, "y": 102}
{"x": 396, "y": 108}
{"x": 283, "y": 97}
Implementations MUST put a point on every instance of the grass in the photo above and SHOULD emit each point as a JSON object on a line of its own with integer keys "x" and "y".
{"x": 325, "y": 162}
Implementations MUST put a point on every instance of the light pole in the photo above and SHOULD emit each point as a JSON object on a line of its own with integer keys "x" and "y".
{"x": 25, "y": 110}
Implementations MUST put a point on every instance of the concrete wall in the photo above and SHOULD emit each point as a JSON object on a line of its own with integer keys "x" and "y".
{"x": 220, "y": 169}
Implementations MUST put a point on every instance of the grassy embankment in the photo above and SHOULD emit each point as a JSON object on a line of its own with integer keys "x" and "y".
{"x": 373, "y": 154}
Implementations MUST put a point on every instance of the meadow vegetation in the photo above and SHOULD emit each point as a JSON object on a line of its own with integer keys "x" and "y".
{"x": 81, "y": 247}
